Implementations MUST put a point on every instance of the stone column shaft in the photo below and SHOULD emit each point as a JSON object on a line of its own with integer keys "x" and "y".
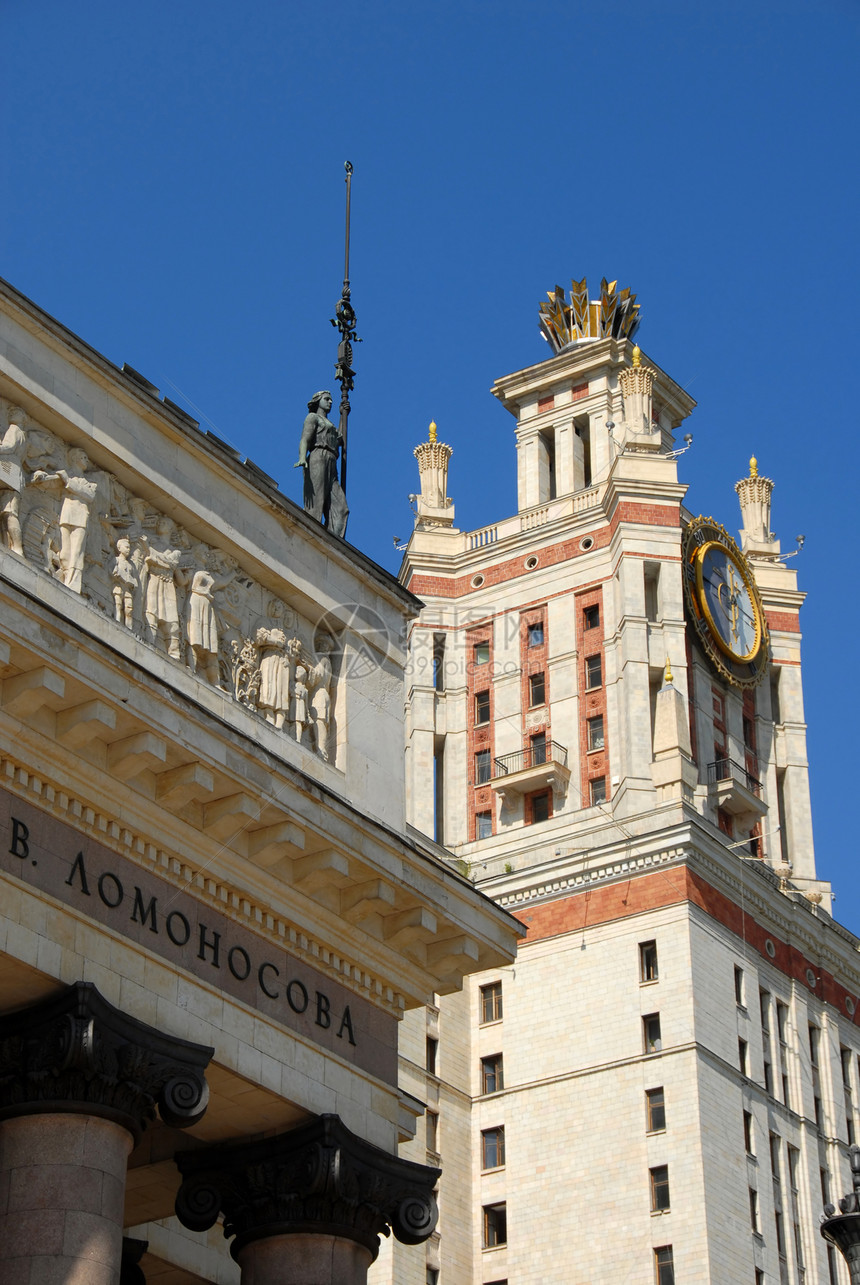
{"x": 62, "y": 1186}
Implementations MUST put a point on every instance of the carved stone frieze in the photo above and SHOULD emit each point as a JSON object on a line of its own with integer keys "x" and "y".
{"x": 318, "y": 1178}
{"x": 77, "y": 1053}
{"x": 135, "y": 565}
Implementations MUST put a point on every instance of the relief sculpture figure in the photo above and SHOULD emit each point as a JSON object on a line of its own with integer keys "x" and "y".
{"x": 125, "y": 584}
{"x": 202, "y": 621}
{"x": 162, "y": 565}
{"x": 274, "y": 694}
{"x": 318, "y": 452}
{"x": 79, "y": 495}
{"x": 319, "y": 681}
{"x": 12, "y": 450}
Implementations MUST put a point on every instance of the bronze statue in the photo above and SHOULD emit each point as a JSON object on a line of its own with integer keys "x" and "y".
{"x": 319, "y": 447}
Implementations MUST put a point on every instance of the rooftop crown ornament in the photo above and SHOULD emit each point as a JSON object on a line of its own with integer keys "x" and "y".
{"x": 614, "y": 315}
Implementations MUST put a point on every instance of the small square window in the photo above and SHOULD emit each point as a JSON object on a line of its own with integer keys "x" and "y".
{"x": 593, "y": 672}
{"x": 482, "y": 707}
{"x": 540, "y": 807}
{"x": 482, "y": 653}
{"x": 591, "y": 617}
{"x": 648, "y": 961}
{"x": 432, "y": 1054}
{"x": 651, "y": 1033}
{"x": 493, "y": 1148}
{"x": 495, "y": 1226}
{"x": 597, "y": 788}
{"x": 655, "y": 1104}
{"x": 483, "y": 767}
{"x": 664, "y": 1266}
{"x": 492, "y": 1076}
{"x": 595, "y": 733}
{"x": 491, "y": 1003}
{"x": 536, "y": 634}
{"x": 659, "y": 1188}
{"x": 537, "y": 689}
{"x": 483, "y": 825}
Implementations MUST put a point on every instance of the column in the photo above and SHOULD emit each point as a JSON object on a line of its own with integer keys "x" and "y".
{"x": 306, "y": 1207}
{"x": 79, "y": 1083}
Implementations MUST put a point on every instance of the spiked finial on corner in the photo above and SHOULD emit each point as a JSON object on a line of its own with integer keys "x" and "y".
{"x": 432, "y": 431}
{"x": 668, "y": 676}
{"x": 753, "y": 467}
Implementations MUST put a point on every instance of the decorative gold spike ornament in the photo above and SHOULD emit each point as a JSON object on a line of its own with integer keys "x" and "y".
{"x": 614, "y": 315}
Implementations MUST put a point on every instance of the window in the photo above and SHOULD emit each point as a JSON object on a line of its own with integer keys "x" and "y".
{"x": 742, "y": 1056}
{"x": 782, "y": 1022}
{"x": 739, "y": 986}
{"x": 651, "y": 1033}
{"x": 593, "y": 672}
{"x": 483, "y": 767}
{"x": 495, "y": 1226}
{"x": 664, "y": 1266}
{"x": 814, "y": 1041}
{"x": 824, "y": 1179}
{"x": 492, "y": 1079}
{"x": 595, "y": 733}
{"x": 491, "y": 1003}
{"x": 537, "y": 689}
{"x": 431, "y": 1054}
{"x": 793, "y": 1166}
{"x": 655, "y": 1110}
{"x": 648, "y": 961}
{"x": 483, "y": 825}
{"x": 785, "y": 1095}
{"x": 536, "y": 634}
{"x": 759, "y": 1276}
{"x": 439, "y": 662}
{"x": 659, "y": 1188}
{"x": 780, "y": 1233}
{"x": 493, "y": 1148}
{"x": 540, "y": 807}
{"x": 768, "y": 1077}
{"x": 597, "y": 788}
{"x": 431, "y": 1127}
{"x": 754, "y": 1223}
{"x": 432, "y": 1277}
{"x": 748, "y": 1133}
{"x": 773, "y": 1142}
{"x": 831, "y": 1265}
{"x": 764, "y": 1009}
{"x": 482, "y": 653}
{"x": 537, "y": 745}
{"x": 816, "y": 1106}
{"x": 482, "y": 707}
{"x": 591, "y": 617}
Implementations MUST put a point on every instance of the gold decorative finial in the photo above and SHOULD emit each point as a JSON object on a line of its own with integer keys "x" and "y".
{"x": 637, "y": 357}
{"x": 753, "y": 467}
{"x": 669, "y": 678}
{"x": 432, "y": 437}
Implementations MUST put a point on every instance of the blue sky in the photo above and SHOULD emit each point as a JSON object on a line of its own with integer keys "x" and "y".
{"x": 173, "y": 192}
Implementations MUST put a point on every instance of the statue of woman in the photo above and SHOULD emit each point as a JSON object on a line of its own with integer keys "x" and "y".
{"x": 202, "y": 623}
{"x": 274, "y": 695}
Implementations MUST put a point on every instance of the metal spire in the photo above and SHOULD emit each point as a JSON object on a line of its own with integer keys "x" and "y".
{"x": 344, "y": 320}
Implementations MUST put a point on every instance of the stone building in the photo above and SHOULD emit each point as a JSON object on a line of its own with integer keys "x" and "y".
{"x": 606, "y": 727}
{"x": 214, "y": 913}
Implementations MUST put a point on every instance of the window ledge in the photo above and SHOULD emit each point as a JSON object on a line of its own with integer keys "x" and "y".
{"x": 495, "y": 1169}
{"x": 491, "y": 1249}
{"x": 495, "y": 1021}
{"x": 650, "y": 981}
{"x": 655, "y": 1133}
{"x": 658, "y": 1213}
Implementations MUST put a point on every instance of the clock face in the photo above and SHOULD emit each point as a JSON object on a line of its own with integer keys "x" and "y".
{"x": 724, "y": 603}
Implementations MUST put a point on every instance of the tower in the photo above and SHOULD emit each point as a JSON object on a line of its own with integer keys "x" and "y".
{"x": 605, "y": 726}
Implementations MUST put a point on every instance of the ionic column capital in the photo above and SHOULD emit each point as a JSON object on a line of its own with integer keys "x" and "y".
{"x": 319, "y": 1179}
{"x": 76, "y": 1053}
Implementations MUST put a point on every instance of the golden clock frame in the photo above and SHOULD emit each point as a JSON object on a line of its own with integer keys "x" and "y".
{"x": 741, "y": 671}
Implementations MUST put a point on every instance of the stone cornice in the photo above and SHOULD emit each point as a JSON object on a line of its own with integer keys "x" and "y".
{"x": 75, "y": 1052}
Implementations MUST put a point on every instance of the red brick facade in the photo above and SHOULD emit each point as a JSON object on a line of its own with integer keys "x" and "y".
{"x": 594, "y": 764}
{"x": 479, "y": 798}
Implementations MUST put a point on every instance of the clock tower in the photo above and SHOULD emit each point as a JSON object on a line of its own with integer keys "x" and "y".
{"x": 605, "y": 727}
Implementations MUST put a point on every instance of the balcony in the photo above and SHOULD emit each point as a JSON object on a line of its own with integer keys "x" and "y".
{"x": 541, "y": 765}
{"x": 735, "y": 790}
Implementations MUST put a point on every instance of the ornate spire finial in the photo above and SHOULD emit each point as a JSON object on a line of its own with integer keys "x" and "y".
{"x": 753, "y": 467}
{"x": 637, "y": 357}
{"x": 432, "y": 431}
{"x": 668, "y": 678}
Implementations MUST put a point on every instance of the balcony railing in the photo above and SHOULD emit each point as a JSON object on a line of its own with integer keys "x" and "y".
{"x": 534, "y": 756}
{"x": 729, "y": 770}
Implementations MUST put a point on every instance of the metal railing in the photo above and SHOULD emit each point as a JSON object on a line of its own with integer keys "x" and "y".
{"x": 729, "y": 770}
{"x": 534, "y": 756}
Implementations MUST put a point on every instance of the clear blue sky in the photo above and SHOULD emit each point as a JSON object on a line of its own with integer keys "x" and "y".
{"x": 173, "y": 192}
